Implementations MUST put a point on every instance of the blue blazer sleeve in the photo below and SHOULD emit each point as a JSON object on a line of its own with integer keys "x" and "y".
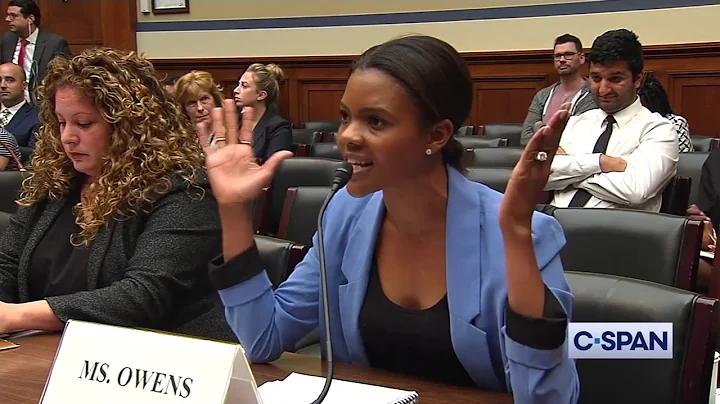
{"x": 268, "y": 322}
{"x": 544, "y": 376}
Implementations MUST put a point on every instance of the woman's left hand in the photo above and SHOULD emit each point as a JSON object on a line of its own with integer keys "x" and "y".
{"x": 531, "y": 173}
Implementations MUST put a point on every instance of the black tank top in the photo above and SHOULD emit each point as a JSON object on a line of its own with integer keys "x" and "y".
{"x": 415, "y": 342}
{"x": 57, "y": 267}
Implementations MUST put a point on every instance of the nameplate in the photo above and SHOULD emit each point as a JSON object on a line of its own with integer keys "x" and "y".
{"x": 98, "y": 363}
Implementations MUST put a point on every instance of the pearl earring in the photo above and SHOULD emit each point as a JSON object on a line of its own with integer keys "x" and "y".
{"x": 428, "y": 151}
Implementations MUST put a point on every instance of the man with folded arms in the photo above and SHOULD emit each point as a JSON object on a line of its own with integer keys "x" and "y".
{"x": 620, "y": 155}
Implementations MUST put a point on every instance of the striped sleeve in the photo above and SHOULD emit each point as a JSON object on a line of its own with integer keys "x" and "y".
{"x": 10, "y": 149}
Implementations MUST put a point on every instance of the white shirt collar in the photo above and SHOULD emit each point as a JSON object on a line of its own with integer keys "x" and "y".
{"x": 33, "y": 37}
{"x": 624, "y": 116}
{"x": 15, "y": 108}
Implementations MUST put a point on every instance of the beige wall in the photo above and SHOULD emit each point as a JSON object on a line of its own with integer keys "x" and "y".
{"x": 235, "y": 9}
{"x": 669, "y": 26}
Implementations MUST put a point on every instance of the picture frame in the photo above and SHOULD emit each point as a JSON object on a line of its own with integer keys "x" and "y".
{"x": 170, "y": 6}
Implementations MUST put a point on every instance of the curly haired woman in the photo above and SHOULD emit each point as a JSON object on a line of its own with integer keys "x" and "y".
{"x": 116, "y": 222}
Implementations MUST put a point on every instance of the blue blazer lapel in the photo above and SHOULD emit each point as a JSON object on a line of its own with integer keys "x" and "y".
{"x": 358, "y": 257}
{"x": 464, "y": 260}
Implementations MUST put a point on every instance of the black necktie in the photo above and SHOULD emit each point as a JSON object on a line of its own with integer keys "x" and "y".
{"x": 582, "y": 196}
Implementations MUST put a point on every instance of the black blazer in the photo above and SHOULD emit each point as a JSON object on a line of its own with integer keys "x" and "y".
{"x": 271, "y": 134}
{"x": 25, "y": 125}
{"x": 147, "y": 271}
{"x": 48, "y": 46}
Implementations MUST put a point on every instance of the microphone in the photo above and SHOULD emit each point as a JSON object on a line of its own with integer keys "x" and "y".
{"x": 341, "y": 177}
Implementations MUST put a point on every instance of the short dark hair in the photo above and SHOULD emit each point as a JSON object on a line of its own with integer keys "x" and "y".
{"x": 435, "y": 77}
{"x": 27, "y": 8}
{"x": 653, "y": 96}
{"x": 620, "y": 45}
{"x": 567, "y": 38}
{"x": 170, "y": 80}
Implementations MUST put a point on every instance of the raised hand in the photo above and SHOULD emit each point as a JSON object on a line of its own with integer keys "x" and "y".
{"x": 234, "y": 174}
{"x": 531, "y": 173}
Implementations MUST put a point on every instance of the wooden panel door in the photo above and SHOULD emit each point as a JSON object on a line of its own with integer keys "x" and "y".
{"x": 504, "y": 99}
{"x": 320, "y": 100}
{"x": 80, "y": 22}
{"x": 90, "y": 23}
{"x": 695, "y": 96}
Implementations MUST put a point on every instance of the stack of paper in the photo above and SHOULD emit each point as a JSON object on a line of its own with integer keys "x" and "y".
{"x": 304, "y": 389}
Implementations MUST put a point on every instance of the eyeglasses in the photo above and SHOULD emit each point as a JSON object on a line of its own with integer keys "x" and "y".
{"x": 205, "y": 101}
{"x": 566, "y": 55}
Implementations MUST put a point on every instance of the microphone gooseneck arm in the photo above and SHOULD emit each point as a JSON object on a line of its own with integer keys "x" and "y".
{"x": 342, "y": 176}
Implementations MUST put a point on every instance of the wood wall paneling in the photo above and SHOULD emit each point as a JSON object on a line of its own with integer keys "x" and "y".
{"x": 503, "y": 82}
{"x": 90, "y": 23}
{"x": 80, "y": 22}
{"x": 320, "y": 99}
{"x": 504, "y": 99}
{"x": 697, "y": 95}
{"x": 119, "y": 19}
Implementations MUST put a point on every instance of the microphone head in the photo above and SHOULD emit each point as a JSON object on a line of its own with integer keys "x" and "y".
{"x": 342, "y": 176}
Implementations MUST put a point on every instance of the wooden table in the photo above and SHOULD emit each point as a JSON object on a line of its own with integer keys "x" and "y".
{"x": 23, "y": 372}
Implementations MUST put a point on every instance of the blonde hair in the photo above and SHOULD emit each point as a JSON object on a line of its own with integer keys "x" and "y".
{"x": 191, "y": 86}
{"x": 151, "y": 140}
{"x": 267, "y": 78}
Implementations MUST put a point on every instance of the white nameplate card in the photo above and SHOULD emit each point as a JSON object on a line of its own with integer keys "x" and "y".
{"x": 106, "y": 364}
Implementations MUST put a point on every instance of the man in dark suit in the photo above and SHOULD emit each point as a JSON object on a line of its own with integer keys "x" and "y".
{"x": 27, "y": 45}
{"x": 17, "y": 115}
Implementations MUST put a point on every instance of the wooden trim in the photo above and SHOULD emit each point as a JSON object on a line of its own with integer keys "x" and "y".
{"x": 699, "y": 354}
{"x": 286, "y": 212}
{"x": 714, "y": 287}
{"x": 701, "y": 49}
{"x": 303, "y": 150}
{"x": 297, "y": 254}
{"x": 119, "y": 19}
{"x": 689, "y": 258}
{"x": 504, "y": 83}
{"x": 261, "y": 211}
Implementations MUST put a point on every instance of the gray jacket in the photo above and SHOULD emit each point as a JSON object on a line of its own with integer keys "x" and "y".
{"x": 148, "y": 271}
{"x": 582, "y": 102}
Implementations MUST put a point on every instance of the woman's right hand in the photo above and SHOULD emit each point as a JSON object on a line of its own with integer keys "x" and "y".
{"x": 235, "y": 176}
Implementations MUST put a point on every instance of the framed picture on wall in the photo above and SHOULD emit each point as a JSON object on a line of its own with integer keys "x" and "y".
{"x": 170, "y": 6}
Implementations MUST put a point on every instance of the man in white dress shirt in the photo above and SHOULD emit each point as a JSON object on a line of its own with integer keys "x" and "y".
{"x": 621, "y": 155}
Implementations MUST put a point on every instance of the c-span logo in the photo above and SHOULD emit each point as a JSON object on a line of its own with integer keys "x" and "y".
{"x": 620, "y": 340}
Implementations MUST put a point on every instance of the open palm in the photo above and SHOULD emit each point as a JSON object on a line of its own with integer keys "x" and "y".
{"x": 235, "y": 176}
{"x": 530, "y": 175}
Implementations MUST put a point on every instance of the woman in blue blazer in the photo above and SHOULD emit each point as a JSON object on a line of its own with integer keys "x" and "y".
{"x": 429, "y": 273}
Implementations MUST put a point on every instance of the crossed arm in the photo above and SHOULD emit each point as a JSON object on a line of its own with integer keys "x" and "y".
{"x": 630, "y": 180}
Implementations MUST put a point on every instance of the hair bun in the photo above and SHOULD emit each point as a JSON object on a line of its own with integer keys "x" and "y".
{"x": 276, "y": 71}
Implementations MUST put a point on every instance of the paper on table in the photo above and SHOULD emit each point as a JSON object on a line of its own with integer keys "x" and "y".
{"x": 7, "y": 345}
{"x": 303, "y": 389}
{"x": 707, "y": 254}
